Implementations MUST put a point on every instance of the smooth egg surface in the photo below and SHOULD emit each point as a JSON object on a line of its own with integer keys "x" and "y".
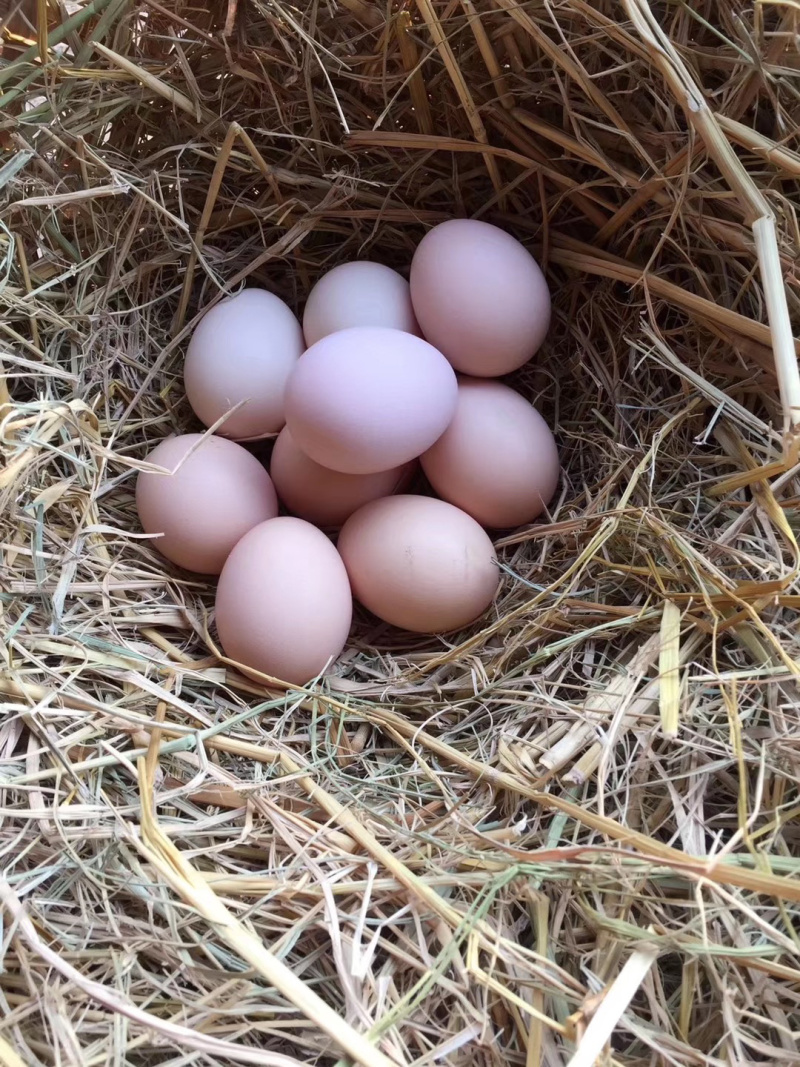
{"x": 284, "y": 605}
{"x": 479, "y": 297}
{"x": 215, "y": 493}
{"x": 242, "y": 352}
{"x": 419, "y": 563}
{"x": 369, "y": 399}
{"x": 323, "y": 496}
{"x": 497, "y": 460}
{"x": 359, "y": 293}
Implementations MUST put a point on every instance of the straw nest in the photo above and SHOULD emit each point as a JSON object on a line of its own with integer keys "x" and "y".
{"x": 566, "y": 836}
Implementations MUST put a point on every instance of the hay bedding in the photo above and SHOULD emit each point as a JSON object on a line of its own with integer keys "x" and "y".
{"x": 579, "y": 821}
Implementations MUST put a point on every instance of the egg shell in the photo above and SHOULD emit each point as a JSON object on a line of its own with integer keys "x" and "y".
{"x": 479, "y": 297}
{"x": 419, "y": 563}
{"x": 216, "y": 492}
{"x": 243, "y": 349}
{"x": 284, "y": 605}
{"x": 323, "y": 496}
{"x": 368, "y": 399}
{"x": 359, "y": 293}
{"x": 497, "y": 460}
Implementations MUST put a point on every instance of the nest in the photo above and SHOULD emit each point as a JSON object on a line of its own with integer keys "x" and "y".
{"x": 566, "y": 835}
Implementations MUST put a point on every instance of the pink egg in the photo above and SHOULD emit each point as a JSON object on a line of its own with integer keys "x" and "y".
{"x": 323, "y": 496}
{"x": 497, "y": 459}
{"x": 216, "y": 492}
{"x": 419, "y": 563}
{"x": 479, "y": 297}
{"x": 283, "y": 601}
{"x": 358, "y": 294}
{"x": 243, "y": 351}
{"x": 368, "y": 399}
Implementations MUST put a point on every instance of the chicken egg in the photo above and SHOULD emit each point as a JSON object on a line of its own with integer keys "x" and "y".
{"x": 369, "y": 399}
{"x": 242, "y": 352}
{"x": 323, "y": 496}
{"x": 284, "y": 605}
{"x": 479, "y": 297}
{"x": 497, "y": 460}
{"x": 215, "y": 492}
{"x": 360, "y": 293}
{"x": 419, "y": 563}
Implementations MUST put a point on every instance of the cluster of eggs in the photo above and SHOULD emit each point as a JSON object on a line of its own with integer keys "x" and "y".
{"x": 384, "y": 376}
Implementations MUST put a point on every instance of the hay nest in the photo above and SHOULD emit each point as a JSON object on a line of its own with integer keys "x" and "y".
{"x": 568, "y": 836}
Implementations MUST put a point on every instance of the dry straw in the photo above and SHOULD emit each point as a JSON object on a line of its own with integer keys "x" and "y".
{"x": 565, "y": 836}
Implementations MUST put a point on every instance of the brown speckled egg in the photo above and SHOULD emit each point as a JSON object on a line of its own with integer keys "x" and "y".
{"x": 419, "y": 563}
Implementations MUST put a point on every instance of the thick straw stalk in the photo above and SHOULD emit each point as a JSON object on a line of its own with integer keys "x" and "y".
{"x": 756, "y": 208}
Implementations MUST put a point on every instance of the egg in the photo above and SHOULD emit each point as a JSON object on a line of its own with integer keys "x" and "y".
{"x": 215, "y": 492}
{"x": 283, "y": 605}
{"x": 497, "y": 460}
{"x": 479, "y": 297}
{"x": 358, "y": 294}
{"x": 242, "y": 352}
{"x": 419, "y": 563}
{"x": 323, "y": 496}
{"x": 369, "y": 399}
